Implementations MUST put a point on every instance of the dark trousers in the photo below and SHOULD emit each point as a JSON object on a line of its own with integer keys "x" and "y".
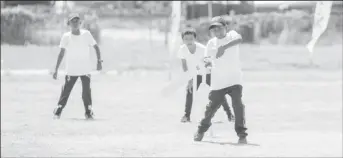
{"x": 86, "y": 91}
{"x": 189, "y": 97}
{"x": 216, "y": 97}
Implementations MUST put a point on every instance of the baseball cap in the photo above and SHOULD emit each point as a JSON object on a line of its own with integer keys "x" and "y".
{"x": 217, "y": 21}
{"x": 73, "y": 16}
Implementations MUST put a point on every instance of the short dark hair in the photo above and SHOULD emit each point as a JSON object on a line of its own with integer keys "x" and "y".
{"x": 189, "y": 31}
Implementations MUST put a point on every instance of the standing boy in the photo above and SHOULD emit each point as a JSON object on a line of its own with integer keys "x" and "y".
{"x": 192, "y": 54}
{"x": 226, "y": 78}
{"x": 76, "y": 45}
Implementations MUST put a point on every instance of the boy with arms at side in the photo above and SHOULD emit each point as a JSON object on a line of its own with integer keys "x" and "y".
{"x": 76, "y": 45}
{"x": 192, "y": 54}
{"x": 226, "y": 78}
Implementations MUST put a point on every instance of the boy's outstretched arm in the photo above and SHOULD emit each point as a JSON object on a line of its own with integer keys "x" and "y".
{"x": 59, "y": 60}
{"x": 234, "y": 42}
{"x": 98, "y": 55}
{"x": 63, "y": 44}
{"x": 236, "y": 39}
{"x": 94, "y": 44}
{"x": 97, "y": 51}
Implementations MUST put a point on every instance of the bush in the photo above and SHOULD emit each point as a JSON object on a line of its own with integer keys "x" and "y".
{"x": 16, "y": 25}
{"x": 20, "y": 26}
{"x": 293, "y": 27}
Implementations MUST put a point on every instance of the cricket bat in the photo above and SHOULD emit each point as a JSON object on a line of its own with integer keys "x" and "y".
{"x": 176, "y": 83}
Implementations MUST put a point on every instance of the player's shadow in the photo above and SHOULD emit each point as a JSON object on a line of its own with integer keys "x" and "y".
{"x": 83, "y": 119}
{"x": 230, "y": 143}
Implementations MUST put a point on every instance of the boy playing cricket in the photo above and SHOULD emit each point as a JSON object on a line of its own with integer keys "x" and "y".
{"x": 226, "y": 78}
{"x": 192, "y": 54}
{"x": 76, "y": 45}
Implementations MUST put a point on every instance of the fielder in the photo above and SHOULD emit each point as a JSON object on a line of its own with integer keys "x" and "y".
{"x": 226, "y": 78}
{"x": 76, "y": 45}
{"x": 192, "y": 54}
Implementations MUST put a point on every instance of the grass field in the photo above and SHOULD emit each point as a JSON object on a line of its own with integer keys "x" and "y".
{"x": 289, "y": 113}
{"x": 292, "y": 109}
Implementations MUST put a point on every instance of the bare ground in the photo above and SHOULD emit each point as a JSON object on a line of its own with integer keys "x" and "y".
{"x": 289, "y": 113}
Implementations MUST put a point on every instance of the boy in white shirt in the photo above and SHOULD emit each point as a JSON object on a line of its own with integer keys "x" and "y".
{"x": 226, "y": 77}
{"x": 192, "y": 54}
{"x": 76, "y": 45}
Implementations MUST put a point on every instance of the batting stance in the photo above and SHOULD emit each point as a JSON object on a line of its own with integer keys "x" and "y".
{"x": 226, "y": 78}
{"x": 192, "y": 54}
{"x": 76, "y": 45}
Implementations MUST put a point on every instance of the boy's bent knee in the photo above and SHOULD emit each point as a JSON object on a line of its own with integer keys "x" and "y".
{"x": 216, "y": 96}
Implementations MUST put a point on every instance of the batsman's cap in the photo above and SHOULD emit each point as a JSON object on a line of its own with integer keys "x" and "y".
{"x": 73, "y": 16}
{"x": 217, "y": 21}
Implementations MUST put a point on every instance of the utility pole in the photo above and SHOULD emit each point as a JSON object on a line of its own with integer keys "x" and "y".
{"x": 209, "y": 10}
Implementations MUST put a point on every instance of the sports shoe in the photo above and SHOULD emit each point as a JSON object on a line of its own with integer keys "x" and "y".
{"x": 242, "y": 140}
{"x": 198, "y": 136}
{"x": 57, "y": 112}
{"x": 89, "y": 115}
{"x": 185, "y": 119}
{"x": 57, "y": 116}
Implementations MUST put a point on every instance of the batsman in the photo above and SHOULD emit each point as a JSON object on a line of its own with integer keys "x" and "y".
{"x": 192, "y": 55}
{"x": 226, "y": 77}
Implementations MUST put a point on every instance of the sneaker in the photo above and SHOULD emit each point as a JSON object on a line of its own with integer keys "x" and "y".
{"x": 57, "y": 112}
{"x": 89, "y": 116}
{"x": 185, "y": 119}
{"x": 56, "y": 117}
{"x": 242, "y": 140}
{"x": 89, "y": 113}
{"x": 198, "y": 136}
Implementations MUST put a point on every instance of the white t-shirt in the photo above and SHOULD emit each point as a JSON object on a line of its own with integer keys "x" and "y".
{"x": 78, "y": 57}
{"x": 226, "y": 70}
{"x": 194, "y": 61}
